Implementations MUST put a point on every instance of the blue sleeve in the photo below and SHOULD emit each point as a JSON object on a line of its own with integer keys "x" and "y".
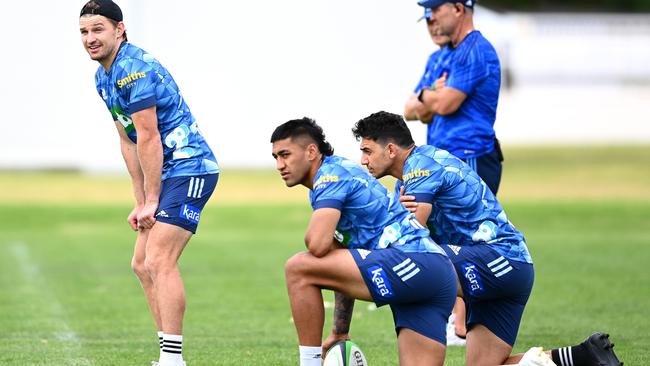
{"x": 136, "y": 83}
{"x": 468, "y": 73}
{"x": 423, "y": 178}
{"x": 429, "y": 72}
{"x": 422, "y": 82}
{"x": 330, "y": 191}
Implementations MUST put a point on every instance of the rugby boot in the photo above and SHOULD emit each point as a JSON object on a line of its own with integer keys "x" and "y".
{"x": 601, "y": 350}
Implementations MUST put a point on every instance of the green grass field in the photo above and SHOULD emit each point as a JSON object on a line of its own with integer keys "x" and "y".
{"x": 68, "y": 297}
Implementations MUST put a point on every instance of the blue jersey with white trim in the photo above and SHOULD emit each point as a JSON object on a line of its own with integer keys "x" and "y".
{"x": 464, "y": 210}
{"x": 137, "y": 81}
{"x": 472, "y": 67}
{"x": 370, "y": 217}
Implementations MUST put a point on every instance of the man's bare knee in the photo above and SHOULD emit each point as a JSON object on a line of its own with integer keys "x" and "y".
{"x": 139, "y": 269}
{"x": 295, "y": 269}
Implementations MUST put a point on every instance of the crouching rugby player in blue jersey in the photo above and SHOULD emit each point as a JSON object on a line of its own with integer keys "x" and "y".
{"x": 173, "y": 171}
{"x": 362, "y": 244}
{"x": 490, "y": 255}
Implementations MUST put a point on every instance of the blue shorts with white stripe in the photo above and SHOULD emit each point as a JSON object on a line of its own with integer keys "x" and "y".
{"x": 182, "y": 199}
{"x": 419, "y": 287}
{"x": 495, "y": 288}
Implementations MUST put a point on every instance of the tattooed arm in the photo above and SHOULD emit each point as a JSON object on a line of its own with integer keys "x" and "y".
{"x": 343, "y": 307}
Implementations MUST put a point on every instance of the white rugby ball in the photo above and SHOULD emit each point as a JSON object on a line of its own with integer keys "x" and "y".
{"x": 345, "y": 353}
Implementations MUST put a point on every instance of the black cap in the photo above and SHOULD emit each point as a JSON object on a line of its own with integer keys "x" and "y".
{"x": 106, "y": 8}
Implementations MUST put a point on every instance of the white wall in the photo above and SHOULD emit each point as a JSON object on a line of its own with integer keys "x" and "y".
{"x": 245, "y": 67}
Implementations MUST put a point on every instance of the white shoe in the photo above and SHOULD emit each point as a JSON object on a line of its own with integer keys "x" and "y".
{"x": 536, "y": 357}
{"x": 452, "y": 338}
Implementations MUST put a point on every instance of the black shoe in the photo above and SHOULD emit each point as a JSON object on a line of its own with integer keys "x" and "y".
{"x": 601, "y": 350}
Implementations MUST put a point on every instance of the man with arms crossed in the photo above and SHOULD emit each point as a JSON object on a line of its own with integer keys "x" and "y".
{"x": 490, "y": 255}
{"x": 381, "y": 253}
{"x": 172, "y": 169}
{"x": 459, "y": 91}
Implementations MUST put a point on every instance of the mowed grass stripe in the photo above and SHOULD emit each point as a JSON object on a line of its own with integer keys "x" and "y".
{"x": 45, "y": 310}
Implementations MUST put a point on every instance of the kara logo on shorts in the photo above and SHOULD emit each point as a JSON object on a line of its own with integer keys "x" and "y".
{"x": 190, "y": 213}
{"x": 473, "y": 279}
{"x": 380, "y": 281}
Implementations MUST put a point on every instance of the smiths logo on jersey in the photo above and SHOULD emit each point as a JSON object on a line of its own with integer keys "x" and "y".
{"x": 130, "y": 79}
{"x": 320, "y": 183}
{"x": 415, "y": 173}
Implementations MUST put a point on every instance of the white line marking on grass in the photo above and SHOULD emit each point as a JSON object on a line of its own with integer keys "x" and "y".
{"x": 54, "y": 310}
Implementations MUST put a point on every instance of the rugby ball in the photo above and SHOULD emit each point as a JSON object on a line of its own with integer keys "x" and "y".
{"x": 345, "y": 353}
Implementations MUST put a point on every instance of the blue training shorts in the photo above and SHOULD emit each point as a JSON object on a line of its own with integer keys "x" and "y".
{"x": 419, "y": 287}
{"x": 489, "y": 167}
{"x": 495, "y": 289}
{"x": 183, "y": 198}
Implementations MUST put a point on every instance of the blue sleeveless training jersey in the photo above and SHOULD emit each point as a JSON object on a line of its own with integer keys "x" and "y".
{"x": 137, "y": 81}
{"x": 464, "y": 212}
{"x": 370, "y": 217}
{"x": 472, "y": 67}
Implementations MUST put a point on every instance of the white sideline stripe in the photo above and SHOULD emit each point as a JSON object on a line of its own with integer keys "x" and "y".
{"x": 405, "y": 278}
{"x": 33, "y": 276}
{"x": 503, "y": 272}
{"x": 503, "y": 264}
{"x": 495, "y": 261}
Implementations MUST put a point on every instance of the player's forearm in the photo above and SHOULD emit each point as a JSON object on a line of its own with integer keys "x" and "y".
{"x": 414, "y": 110}
{"x": 130, "y": 155}
{"x": 443, "y": 101}
{"x": 410, "y": 108}
{"x": 150, "y": 157}
{"x": 343, "y": 307}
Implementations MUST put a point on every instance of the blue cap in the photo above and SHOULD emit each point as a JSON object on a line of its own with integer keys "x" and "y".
{"x": 432, "y": 4}
{"x": 427, "y": 14}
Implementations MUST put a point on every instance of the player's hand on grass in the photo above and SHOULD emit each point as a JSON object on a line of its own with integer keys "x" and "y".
{"x": 331, "y": 339}
{"x": 133, "y": 217}
{"x": 408, "y": 201}
{"x": 147, "y": 216}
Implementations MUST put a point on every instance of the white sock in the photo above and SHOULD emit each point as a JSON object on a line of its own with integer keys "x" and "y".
{"x": 311, "y": 356}
{"x": 160, "y": 340}
{"x": 171, "y": 353}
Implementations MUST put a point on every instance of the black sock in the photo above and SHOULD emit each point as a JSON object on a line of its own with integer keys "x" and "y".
{"x": 571, "y": 356}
